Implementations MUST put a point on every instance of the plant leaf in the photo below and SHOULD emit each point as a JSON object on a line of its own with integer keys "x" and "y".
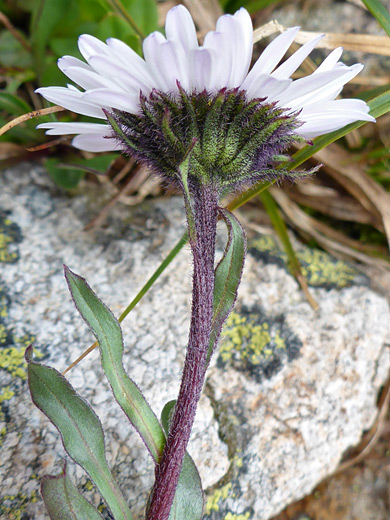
{"x": 227, "y": 274}
{"x": 63, "y": 175}
{"x": 79, "y": 427}
{"x": 189, "y": 498}
{"x": 380, "y": 12}
{"x": 63, "y": 500}
{"x": 109, "y": 335}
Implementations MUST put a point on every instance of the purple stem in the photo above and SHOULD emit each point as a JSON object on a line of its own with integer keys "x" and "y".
{"x": 203, "y": 251}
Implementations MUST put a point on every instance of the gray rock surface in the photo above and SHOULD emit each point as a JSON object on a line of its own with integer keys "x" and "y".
{"x": 288, "y": 392}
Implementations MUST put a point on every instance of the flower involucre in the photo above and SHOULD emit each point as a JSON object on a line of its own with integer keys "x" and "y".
{"x": 118, "y": 85}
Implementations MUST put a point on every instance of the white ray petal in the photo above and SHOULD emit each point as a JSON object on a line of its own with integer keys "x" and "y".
{"x": 201, "y": 69}
{"x": 286, "y": 69}
{"x": 175, "y": 64}
{"x": 131, "y": 60}
{"x": 246, "y": 28}
{"x": 339, "y": 105}
{"x": 71, "y": 61}
{"x": 179, "y": 27}
{"x": 151, "y": 48}
{"x": 316, "y": 87}
{"x": 106, "y": 98}
{"x": 86, "y": 78}
{"x": 330, "y": 61}
{"x": 230, "y": 28}
{"x": 96, "y": 143}
{"x": 71, "y": 99}
{"x": 122, "y": 80}
{"x": 72, "y": 88}
{"x": 268, "y": 87}
{"x": 217, "y": 44}
{"x": 332, "y": 115}
{"x": 245, "y": 35}
{"x": 271, "y": 56}
{"x": 324, "y": 125}
{"x": 59, "y": 128}
{"x": 90, "y": 46}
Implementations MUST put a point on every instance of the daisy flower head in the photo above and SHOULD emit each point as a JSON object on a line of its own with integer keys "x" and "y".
{"x": 204, "y": 100}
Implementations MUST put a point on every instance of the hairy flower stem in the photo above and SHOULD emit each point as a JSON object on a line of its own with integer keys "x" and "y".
{"x": 203, "y": 250}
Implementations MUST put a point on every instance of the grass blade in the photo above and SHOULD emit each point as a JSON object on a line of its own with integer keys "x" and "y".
{"x": 380, "y": 12}
{"x": 281, "y": 230}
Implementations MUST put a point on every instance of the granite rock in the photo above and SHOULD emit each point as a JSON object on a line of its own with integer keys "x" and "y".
{"x": 289, "y": 390}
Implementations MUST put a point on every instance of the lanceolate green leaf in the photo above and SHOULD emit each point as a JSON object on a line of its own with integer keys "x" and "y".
{"x": 189, "y": 499}
{"x": 109, "y": 335}
{"x": 189, "y": 495}
{"x": 381, "y": 13}
{"x": 63, "y": 500}
{"x": 80, "y": 430}
{"x": 228, "y": 274}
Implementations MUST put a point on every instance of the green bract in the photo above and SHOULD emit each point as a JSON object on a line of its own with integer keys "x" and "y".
{"x": 229, "y": 141}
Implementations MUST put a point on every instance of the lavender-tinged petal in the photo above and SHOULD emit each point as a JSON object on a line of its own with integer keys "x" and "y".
{"x": 217, "y": 44}
{"x": 106, "y": 98}
{"x": 317, "y": 87}
{"x": 71, "y": 61}
{"x": 268, "y": 87}
{"x": 271, "y": 56}
{"x": 313, "y": 129}
{"x": 353, "y": 109}
{"x": 286, "y": 69}
{"x": 180, "y": 27}
{"x": 134, "y": 64}
{"x": 86, "y": 78}
{"x": 230, "y": 29}
{"x": 332, "y": 115}
{"x": 330, "y": 61}
{"x": 246, "y": 29}
{"x": 174, "y": 62}
{"x": 96, "y": 143}
{"x": 355, "y": 105}
{"x": 152, "y": 53}
{"x": 61, "y": 128}
{"x": 90, "y": 46}
{"x": 122, "y": 80}
{"x": 201, "y": 69}
{"x": 232, "y": 41}
{"x": 71, "y": 99}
